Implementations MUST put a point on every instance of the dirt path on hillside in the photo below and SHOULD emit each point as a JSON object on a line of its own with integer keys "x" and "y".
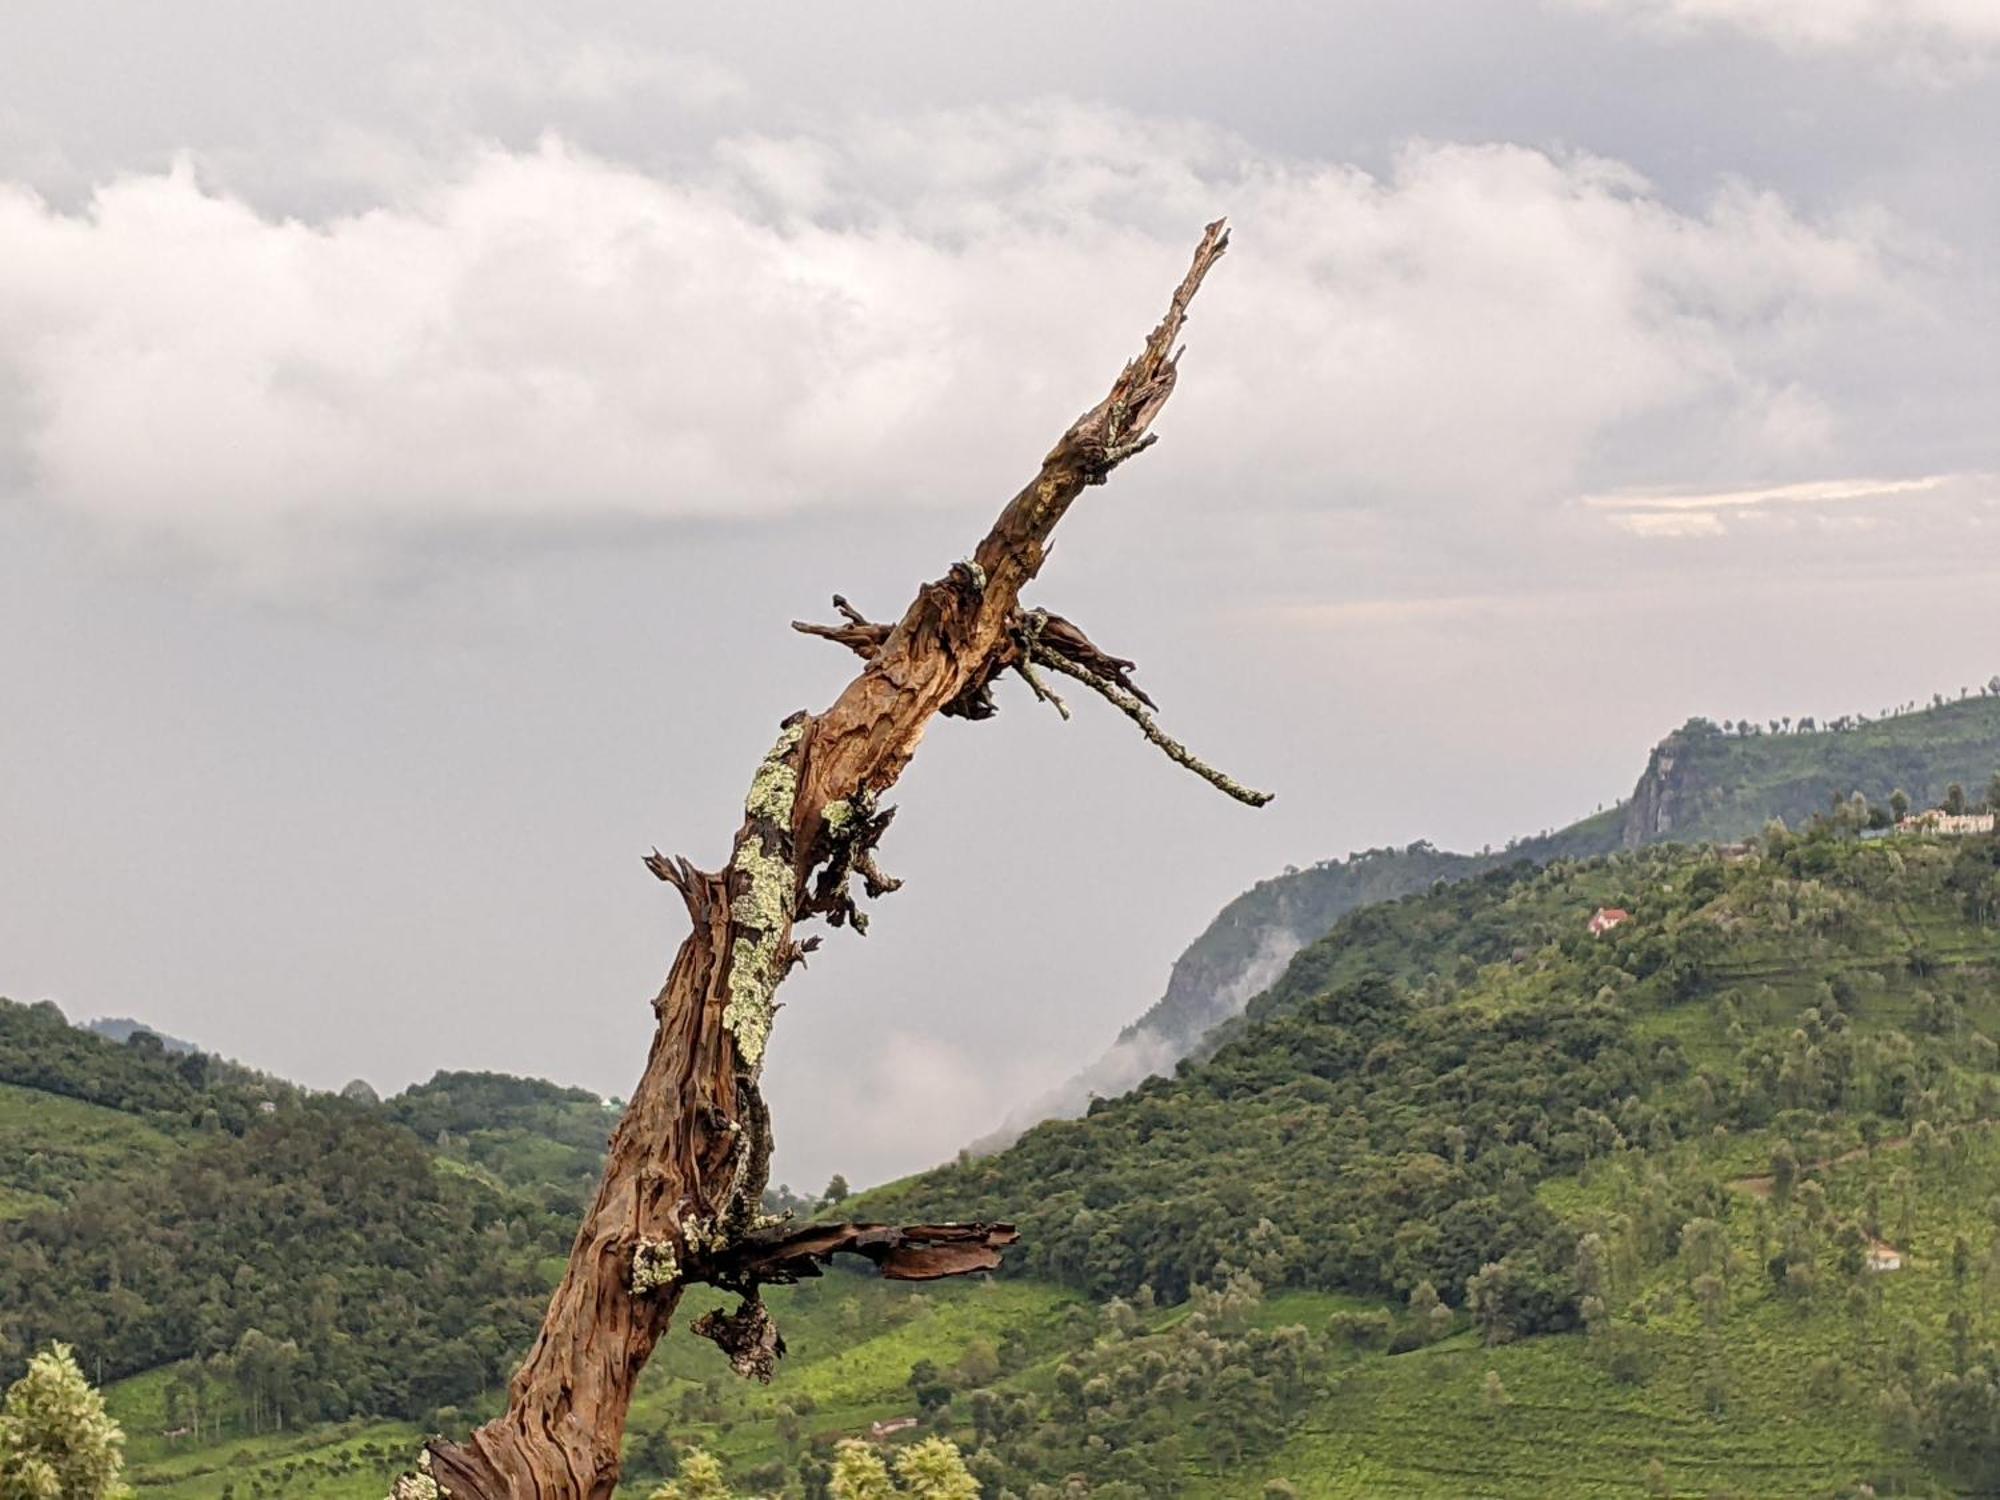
{"x": 1760, "y": 1187}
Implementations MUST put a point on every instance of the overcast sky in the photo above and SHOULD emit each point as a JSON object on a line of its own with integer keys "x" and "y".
{"x": 418, "y": 423}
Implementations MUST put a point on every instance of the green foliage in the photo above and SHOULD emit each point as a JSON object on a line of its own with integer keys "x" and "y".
{"x": 51, "y": 1146}
{"x": 531, "y": 1135}
{"x": 700, "y": 1478}
{"x": 316, "y": 1267}
{"x": 860, "y": 1474}
{"x": 40, "y": 1050}
{"x": 293, "y": 1257}
{"x": 56, "y": 1442}
{"x": 932, "y": 1469}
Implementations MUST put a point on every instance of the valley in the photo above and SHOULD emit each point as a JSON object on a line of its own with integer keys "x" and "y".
{"x": 1469, "y": 1199}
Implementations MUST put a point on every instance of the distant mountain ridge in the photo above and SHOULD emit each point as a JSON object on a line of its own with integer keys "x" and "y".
{"x": 1702, "y": 783}
{"x": 123, "y": 1028}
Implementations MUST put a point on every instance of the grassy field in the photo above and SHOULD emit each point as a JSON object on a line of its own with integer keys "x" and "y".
{"x": 48, "y": 1142}
{"x": 853, "y": 1340}
{"x": 348, "y": 1461}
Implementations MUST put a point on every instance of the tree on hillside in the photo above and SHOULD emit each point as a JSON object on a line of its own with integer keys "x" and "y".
{"x": 934, "y": 1470}
{"x": 687, "y": 1167}
{"x": 931, "y": 1470}
{"x": 56, "y": 1440}
{"x": 700, "y": 1478}
{"x": 1954, "y": 799}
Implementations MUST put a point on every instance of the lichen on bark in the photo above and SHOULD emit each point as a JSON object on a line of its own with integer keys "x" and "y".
{"x": 655, "y": 1266}
{"x": 420, "y": 1485}
{"x": 766, "y": 897}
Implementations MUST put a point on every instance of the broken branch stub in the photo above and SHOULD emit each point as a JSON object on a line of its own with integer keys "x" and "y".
{"x": 686, "y": 1167}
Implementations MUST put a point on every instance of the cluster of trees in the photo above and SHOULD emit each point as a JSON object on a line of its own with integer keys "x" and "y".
{"x": 294, "y": 1257}
{"x": 931, "y": 1469}
{"x": 536, "y": 1137}
{"x": 1141, "y": 1399}
{"x": 1808, "y": 725}
{"x": 39, "y": 1049}
{"x": 1136, "y": 1405}
{"x": 315, "y": 1267}
{"x": 1855, "y": 811}
{"x": 1378, "y": 1137}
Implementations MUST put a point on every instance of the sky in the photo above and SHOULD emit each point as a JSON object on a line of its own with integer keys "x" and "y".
{"x": 419, "y": 422}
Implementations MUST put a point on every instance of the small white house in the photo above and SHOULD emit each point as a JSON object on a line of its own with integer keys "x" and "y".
{"x": 1607, "y": 918}
{"x": 1884, "y": 1258}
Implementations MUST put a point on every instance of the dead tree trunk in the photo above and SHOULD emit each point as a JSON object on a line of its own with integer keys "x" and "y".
{"x": 680, "y": 1200}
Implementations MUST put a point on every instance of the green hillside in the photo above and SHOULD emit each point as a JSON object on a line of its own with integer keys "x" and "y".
{"x": 1464, "y": 1092}
{"x": 1702, "y": 783}
{"x": 51, "y": 1146}
{"x": 262, "y": 1259}
{"x": 1469, "y": 1202}
{"x": 524, "y": 1134}
{"x": 1705, "y": 783}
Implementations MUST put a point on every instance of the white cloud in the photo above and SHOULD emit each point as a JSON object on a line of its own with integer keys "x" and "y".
{"x": 546, "y": 338}
{"x": 1941, "y": 37}
{"x": 1655, "y": 513}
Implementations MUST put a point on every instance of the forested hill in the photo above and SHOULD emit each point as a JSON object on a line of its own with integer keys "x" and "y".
{"x": 289, "y": 1256}
{"x": 1715, "y": 1191}
{"x": 1387, "y": 1110}
{"x": 1703, "y": 782}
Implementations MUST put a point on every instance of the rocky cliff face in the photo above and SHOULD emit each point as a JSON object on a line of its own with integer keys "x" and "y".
{"x": 1650, "y": 814}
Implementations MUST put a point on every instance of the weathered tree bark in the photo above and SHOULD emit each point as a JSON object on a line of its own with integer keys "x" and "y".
{"x": 683, "y": 1183}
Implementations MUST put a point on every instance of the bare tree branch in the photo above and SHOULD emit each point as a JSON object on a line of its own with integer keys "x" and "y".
{"x": 680, "y": 1197}
{"x": 1127, "y": 701}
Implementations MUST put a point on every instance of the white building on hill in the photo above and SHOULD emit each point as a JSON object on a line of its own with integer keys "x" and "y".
{"x": 1955, "y": 825}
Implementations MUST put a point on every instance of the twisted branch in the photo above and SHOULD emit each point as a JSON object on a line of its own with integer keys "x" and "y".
{"x": 677, "y": 1203}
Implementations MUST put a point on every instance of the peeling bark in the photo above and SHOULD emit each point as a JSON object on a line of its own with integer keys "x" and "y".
{"x": 687, "y": 1165}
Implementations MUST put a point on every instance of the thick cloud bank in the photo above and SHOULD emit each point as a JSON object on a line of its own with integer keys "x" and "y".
{"x": 552, "y": 340}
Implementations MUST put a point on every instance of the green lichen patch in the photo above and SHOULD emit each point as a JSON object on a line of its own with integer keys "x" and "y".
{"x": 775, "y": 787}
{"x": 767, "y": 893}
{"x": 655, "y": 1266}
{"x": 705, "y": 1236}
